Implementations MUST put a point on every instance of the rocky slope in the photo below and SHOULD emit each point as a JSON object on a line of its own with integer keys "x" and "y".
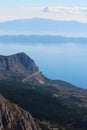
{"x": 12, "y": 117}
{"x": 19, "y": 67}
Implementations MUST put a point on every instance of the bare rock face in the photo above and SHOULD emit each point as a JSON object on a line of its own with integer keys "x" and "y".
{"x": 18, "y": 67}
{"x": 18, "y": 62}
{"x": 12, "y": 117}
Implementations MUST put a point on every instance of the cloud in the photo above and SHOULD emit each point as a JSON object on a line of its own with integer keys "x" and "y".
{"x": 71, "y": 10}
{"x": 46, "y": 9}
{"x": 51, "y": 12}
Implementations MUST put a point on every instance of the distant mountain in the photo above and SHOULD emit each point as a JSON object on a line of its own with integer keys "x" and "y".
{"x": 12, "y": 117}
{"x": 37, "y": 26}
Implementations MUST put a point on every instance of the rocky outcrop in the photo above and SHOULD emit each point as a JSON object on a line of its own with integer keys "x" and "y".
{"x": 12, "y": 117}
{"x": 19, "y": 67}
{"x": 18, "y": 62}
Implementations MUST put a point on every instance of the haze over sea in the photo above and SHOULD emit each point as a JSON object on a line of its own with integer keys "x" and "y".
{"x": 66, "y": 61}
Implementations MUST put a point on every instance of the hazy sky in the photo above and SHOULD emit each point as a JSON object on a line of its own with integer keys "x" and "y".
{"x": 17, "y": 3}
{"x": 53, "y": 9}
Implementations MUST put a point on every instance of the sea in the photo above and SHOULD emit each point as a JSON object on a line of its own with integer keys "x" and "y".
{"x": 66, "y": 61}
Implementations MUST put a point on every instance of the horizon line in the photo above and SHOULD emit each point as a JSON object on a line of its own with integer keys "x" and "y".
{"x": 55, "y": 20}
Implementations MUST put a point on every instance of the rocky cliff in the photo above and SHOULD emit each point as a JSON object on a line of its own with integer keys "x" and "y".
{"x": 12, "y": 117}
{"x": 19, "y": 67}
{"x": 18, "y": 63}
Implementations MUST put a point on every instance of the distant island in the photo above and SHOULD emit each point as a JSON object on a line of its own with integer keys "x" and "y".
{"x": 41, "y": 39}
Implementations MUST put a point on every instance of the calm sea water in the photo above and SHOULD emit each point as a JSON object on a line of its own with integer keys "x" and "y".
{"x": 66, "y": 62}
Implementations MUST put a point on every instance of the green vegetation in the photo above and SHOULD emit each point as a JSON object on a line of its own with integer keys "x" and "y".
{"x": 41, "y": 103}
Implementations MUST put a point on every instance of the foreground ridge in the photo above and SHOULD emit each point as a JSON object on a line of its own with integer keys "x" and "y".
{"x": 13, "y": 117}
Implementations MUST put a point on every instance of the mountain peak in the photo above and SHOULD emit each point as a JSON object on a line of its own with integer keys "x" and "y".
{"x": 16, "y": 54}
{"x": 18, "y": 59}
{"x": 20, "y": 53}
{"x": 18, "y": 63}
{"x": 19, "y": 67}
{"x": 43, "y": 26}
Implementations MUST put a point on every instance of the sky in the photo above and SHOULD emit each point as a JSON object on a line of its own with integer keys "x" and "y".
{"x": 52, "y": 9}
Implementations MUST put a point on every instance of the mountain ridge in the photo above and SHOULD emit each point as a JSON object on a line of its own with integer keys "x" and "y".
{"x": 13, "y": 117}
{"x": 19, "y": 67}
{"x": 43, "y": 26}
{"x": 22, "y": 58}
